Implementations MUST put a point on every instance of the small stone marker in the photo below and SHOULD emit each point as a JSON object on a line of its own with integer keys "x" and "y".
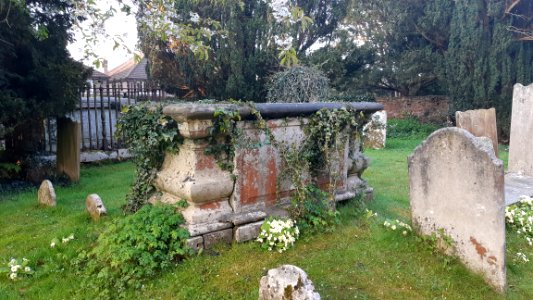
{"x": 521, "y": 143}
{"x": 47, "y": 194}
{"x": 457, "y": 186}
{"x": 95, "y": 206}
{"x": 479, "y": 122}
{"x": 287, "y": 282}
{"x": 375, "y": 131}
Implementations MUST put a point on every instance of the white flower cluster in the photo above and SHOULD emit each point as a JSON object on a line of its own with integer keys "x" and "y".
{"x": 64, "y": 240}
{"x": 521, "y": 257}
{"x": 397, "y": 224}
{"x": 520, "y": 217}
{"x": 16, "y": 268}
{"x": 370, "y": 214}
{"x": 278, "y": 235}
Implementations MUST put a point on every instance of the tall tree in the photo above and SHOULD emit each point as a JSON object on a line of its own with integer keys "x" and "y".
{"x": 471, "y": 50}
{"x": 408, "y": 39}
{"x": 242, "y": 43}
{"x": 484, "y": 59}
{"x": 38, "y": 79}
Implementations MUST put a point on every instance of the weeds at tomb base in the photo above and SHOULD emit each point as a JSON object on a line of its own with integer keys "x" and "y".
{"x": 131, "y": 250}
{"x": 359, "y": 259}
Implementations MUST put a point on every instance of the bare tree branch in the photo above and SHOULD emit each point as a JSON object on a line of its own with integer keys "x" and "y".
{"x": 6, "y": 42}
{"x": 525, "y": 35}
{"x": 425, "y": 36}
{"x": 6, "y": 19}
{"x": 512, "y": 6}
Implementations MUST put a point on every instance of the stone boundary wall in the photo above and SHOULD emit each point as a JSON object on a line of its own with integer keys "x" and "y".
{"x": 429, "y": 109}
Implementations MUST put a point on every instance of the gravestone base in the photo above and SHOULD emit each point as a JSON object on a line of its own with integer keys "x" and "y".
{"x": 517, "y": 185}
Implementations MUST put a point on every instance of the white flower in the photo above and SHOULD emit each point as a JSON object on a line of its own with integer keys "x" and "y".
{"x": 52, "y": 245}
{"x": 194, "y": 17}
{"x": 278, "y": 235}
{"x": 521, "y": 256}
{"x": 27, "y": 269}
{"x": 15, "y": 268}
{"x": 393, "y": 227}
{"x": 13, "y": 276}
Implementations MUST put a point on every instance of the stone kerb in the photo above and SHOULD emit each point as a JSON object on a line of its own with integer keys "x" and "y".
{"x": 521, "y": 143}
{"x": 457, "y": 187}
{"x": 223, "y": 203}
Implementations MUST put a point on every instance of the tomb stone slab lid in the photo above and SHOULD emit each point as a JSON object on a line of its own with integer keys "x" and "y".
{"x": 193, "y": 111}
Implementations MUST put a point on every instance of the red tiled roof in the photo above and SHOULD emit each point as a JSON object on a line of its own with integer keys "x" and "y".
{"x": 98, "y": 75}
{"x": 130, "y": 71}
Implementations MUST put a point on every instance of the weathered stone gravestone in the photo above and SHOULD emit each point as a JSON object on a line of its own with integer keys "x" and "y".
{"x": 479, "y": 122}
{"x": 95, "y": 206}
{"x": 519, "y": 179}
{"x": 457, "y": 187}
{"x": 287, "y": 283}
{"x": 68, "y": 148}
{"x": 375, "y": 132}
{"x": 47, "y": 194}
{"x": 521, "y": 142}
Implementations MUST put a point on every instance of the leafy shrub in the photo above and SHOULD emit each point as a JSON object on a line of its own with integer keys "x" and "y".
{"x": 148, "y": 134}
{"x": 9, "y": 170}
{"x": 132, "y": 249}
{"x": 298, "y": 84}
{"x": 314, "y": 213}
{"x": 277, "y": 234}
{"x": 409, "y": 128}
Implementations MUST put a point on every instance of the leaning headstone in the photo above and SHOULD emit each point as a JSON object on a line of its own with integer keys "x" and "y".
{"x": 457, "y": 191}
{"x": 479, "y": 122}
{"x": 521, "y": 143}
{"x": 47, "y": 194}
{"x": 375, "y": 131}
{"x": 287, "y": 283}
{"x": 95, "y": 206}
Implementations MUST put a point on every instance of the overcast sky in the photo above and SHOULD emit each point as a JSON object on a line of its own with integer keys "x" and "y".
{"x": 120, "y": 25}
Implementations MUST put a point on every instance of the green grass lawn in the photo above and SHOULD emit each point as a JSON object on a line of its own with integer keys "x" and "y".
{"x": 359, "y": 260}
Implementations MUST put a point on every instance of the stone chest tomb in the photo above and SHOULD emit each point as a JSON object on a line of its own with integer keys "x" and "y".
{"x": 230, "y": 204}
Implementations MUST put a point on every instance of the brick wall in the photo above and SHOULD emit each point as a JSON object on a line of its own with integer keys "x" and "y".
{"x": 426, "y": 108}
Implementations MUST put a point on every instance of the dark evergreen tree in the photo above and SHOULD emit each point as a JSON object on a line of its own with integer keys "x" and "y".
{"x": 471, "y": 50}
{"x": 243, "y": 51}
{"x": 38, "y": 79}
{"x": 484, "y": 59}
{"x": 408, "y": 39}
